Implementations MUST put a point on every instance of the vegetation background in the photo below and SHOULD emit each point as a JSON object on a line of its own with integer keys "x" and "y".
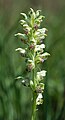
{"x": 15, "y": 99}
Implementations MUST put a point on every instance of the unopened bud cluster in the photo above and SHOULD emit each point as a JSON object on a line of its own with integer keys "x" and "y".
{"x": 33, "y": 36}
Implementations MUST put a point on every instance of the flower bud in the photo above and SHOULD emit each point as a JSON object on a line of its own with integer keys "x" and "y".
{"x": 32, "y": 46}
{"x": 25, "y": 82}
{"x": 24, "y": 41}
{"x": 35, "y": 26}
{"x": 41, "y": 60}
{"x": 26, "y": 31}
{"x": 32, "y": 84}
{"x": 30, "y": 65}
{"x": 38, "y": 89}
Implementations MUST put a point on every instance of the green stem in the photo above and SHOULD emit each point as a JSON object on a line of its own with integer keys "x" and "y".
{"x": 34, "y": 107}
{"x": 34, "y": 93}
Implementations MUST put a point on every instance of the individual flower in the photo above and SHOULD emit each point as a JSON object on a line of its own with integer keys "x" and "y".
{"x": 44, "y": 56}
{"x": 40, "y": 88}
{"x": 41, "y": 75}
{"x": 35, "y": 26}
{"x": 32, "y": 46}
{"x": 30, "y": 65}
{"x": 39, "y": 48}
{"x": 39, "y": 59}
{"x": 39, "y": 99}
{"x": 21, "y": 51}
{"x": 40, "y": 34}
{"x": 26, "y": 31}
{"x": 33, "y": 41}
{"x": 22, "y": 36}
{"x": 40, "y": 31}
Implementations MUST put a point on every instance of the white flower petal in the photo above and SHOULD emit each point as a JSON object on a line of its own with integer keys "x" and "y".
{"x": 20, "y": 50}
{"x": 39, "y": 99}
{"x": 39, "y": 96}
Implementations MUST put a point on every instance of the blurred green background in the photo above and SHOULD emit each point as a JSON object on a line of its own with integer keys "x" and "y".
{"x": 15, "y": 99}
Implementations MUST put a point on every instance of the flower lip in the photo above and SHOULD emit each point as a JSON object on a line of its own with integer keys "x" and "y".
{"x": 20, "y": 50}
{"x": 39, "y": 47}
{"x": 39, "y": 99}
{"x": 42, "y": 73}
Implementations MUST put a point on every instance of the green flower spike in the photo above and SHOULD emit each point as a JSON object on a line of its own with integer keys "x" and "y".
{"x": 33, "y": 36}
